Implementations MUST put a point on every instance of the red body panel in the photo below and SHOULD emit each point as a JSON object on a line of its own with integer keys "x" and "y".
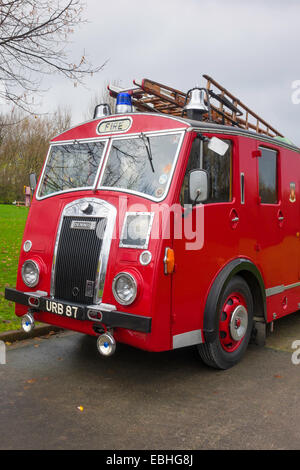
{"x": 176, "y": 302}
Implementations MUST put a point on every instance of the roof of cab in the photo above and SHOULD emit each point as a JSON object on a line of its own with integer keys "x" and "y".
{"x": 189, "y": 125}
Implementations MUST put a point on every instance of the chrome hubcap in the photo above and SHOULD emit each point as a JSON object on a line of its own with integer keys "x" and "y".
{"x": 238, "y": 323}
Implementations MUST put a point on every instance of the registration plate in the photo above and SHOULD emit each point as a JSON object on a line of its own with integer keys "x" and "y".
{"x": 65, "y": 310}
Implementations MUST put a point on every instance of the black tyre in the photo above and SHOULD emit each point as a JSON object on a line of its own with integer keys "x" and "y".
{"x": 235, "y": 323}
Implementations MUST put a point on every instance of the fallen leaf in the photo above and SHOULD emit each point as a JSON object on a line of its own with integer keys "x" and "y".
{"x": 31, "y": 381}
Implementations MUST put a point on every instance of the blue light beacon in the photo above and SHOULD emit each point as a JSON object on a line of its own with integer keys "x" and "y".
{"x": 124, "y": 104}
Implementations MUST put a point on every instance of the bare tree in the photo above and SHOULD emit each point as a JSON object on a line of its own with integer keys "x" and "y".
{"x": 24, "y": 143}
{"x": 33, "y": 34}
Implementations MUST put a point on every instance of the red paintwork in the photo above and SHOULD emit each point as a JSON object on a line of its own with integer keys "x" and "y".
{"x": 176, "y": 302}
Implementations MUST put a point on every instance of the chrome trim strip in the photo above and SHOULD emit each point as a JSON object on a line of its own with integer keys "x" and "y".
{"x": 242, "y": 188}
{"x": 102, "y": 306}
{"x": 101, "y": 209}
{"x": 165, "y": 260}
{"x": 108, "y": 136}
{"x": 37, "y": 293}
{"x": 274, "y": 290}
{"x": 187, "y": 339}
{"x": 279, "y": 289}
{"x": 215, "y": 129}
{"x": 292, "y": 286}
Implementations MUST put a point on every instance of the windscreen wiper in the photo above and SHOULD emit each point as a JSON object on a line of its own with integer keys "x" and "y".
{"x": 146, "y": 142}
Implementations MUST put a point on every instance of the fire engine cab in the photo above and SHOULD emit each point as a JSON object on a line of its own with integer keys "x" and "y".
{"x": 172, "y": 222}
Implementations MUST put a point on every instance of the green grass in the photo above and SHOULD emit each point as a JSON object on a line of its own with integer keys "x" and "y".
{"x": 12, "y": 223}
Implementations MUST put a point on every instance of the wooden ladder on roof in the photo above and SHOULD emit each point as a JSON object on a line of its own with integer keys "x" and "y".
{"x": 226, "y": 109}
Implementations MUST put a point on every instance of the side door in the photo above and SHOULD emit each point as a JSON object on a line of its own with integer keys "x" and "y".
{"x": 271, "y": 219}
{"x": 298, "y": 228}
{"x": 290, "y": 228}
{"x": 215, "y": 227}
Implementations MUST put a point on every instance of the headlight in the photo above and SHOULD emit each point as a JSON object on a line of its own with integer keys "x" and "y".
{"x": 136, "y": 230}
{"x": 124, "y": 288}
{"x": 30, "y": 273}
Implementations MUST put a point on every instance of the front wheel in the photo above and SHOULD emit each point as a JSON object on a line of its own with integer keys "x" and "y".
{"x": 235, "y": 322}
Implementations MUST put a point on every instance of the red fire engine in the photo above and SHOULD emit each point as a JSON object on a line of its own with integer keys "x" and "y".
{"x": 170, "y": 226}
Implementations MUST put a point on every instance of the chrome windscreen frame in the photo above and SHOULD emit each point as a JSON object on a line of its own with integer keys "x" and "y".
{"x": 101, "y": 209}
{"x": 181, "y": 133}
{"x": 105, "y": 140}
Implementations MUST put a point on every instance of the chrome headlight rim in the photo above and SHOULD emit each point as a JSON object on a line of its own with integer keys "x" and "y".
{"x": 36, "y": 267}
{"x": 145, "y": 254}
{"x": 27, "y": 246}
{"x": 135, "y": 288}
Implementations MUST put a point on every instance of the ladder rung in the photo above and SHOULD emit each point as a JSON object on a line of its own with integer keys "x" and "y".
{"x": 164, "y": 99}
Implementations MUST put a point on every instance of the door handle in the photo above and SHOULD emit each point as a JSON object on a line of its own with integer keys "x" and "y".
{"x": 280, "y": 217}
{"x": 234, "y": 218}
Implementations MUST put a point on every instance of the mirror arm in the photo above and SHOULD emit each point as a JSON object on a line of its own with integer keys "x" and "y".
{"x": 202, "y": 137}
{"x": 194, "y": 203}
{"x": 187, "y": 211}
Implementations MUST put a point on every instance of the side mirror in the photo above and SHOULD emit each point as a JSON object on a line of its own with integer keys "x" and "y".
{"x": 32, "y": 182}
{"x": 218, "y": 146}
{"x": 198, "y": 186}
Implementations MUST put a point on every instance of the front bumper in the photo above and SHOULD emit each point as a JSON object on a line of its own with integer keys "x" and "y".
{"x": 38, "y": 302}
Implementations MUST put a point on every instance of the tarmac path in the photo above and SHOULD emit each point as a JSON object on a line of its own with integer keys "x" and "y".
{"x": 57, "y": 392}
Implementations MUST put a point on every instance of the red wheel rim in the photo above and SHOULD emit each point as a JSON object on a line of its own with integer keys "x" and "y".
{"x": 233, "y": 322}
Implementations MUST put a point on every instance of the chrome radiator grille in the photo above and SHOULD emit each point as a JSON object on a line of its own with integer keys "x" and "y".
{"x": 77, "y": 258}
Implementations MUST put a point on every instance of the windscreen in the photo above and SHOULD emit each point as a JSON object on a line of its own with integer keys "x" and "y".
{"x": 142, "y": 164}
{"x": 71, "y": 166}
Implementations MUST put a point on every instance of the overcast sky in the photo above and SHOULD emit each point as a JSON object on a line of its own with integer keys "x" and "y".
{"x": 250, "y": 47}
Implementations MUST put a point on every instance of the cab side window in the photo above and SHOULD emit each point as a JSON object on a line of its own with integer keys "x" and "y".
{"x": 193, "y": 163}
{"x": 268, "y": 176}
{"x": 219, "y": 171}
